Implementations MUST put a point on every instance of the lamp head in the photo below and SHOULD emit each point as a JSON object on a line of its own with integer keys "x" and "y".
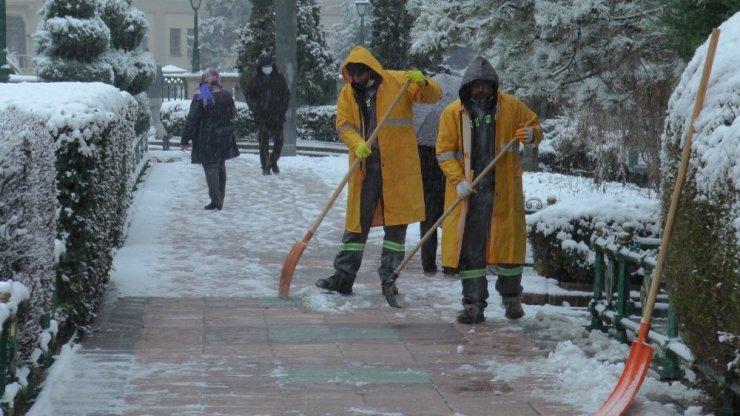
{"x": 362, "y": 6}
{"x": 195, "y": 4}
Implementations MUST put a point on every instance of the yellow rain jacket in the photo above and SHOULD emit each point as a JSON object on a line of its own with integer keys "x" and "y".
{"x": 507, "y": 233}
{"x": 403, "y": 195}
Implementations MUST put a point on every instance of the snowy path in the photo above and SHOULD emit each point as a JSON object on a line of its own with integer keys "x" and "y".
{"x": 192, "y": 325}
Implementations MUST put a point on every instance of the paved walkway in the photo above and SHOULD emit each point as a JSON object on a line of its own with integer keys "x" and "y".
{"x": 263, "y": 356}
{"x": 196, "y": 353}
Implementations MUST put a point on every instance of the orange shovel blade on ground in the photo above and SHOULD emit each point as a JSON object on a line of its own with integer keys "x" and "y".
{"x": 635, "y": 370}
{"x": 291, "y": 261}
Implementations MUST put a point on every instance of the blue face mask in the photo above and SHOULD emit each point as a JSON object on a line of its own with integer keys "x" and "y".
{"x": 267, "y": 70}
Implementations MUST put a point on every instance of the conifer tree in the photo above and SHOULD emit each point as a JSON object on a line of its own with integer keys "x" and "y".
{"x": 133, "y": 67}
{"x": 315, "y": 73}
{"x": 390, "y": 33}
{"x": 690, "y": 22}
{"x": 315, "y": 62}
{"x": 70, "y": 42}
{"x": 255, "y": 39}
{"x": 219, "y": 33}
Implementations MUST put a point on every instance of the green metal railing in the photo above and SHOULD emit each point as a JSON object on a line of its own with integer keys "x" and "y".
{"x": 616, "y": 308}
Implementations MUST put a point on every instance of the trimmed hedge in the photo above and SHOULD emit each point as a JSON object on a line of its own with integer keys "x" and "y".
{"x": 312, "y": 123}
{"x": 559, "y": 234}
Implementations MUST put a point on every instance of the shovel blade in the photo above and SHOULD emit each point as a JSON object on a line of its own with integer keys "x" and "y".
{"x": 635, "y": 370}
{"x": 286, "y": 275}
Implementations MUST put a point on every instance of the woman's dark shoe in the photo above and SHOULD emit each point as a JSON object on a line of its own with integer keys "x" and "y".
{"x": 275, "y": 168}
{"x": 212, "y": 206}
{"x": 266, "y": 172}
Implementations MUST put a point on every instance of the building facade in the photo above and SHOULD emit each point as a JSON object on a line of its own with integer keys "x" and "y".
{"x": 170, "y": 29}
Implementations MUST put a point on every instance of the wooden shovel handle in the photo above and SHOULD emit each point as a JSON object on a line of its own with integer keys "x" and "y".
{"x": 680, "y": 179}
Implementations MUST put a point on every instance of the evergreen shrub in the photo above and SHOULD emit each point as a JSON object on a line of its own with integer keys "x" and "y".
{"x": 559, "y": 236}
{"x": 28, "y": 206}
{"x": 312, "y": 123}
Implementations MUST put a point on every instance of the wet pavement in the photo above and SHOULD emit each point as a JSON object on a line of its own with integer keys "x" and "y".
{"x": 214, "y": 348}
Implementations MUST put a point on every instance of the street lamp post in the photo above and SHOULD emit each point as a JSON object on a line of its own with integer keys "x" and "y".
{"x": 362, "y": 6}
{"x": 4, "y": 70}
{"x": 195, "y": 4}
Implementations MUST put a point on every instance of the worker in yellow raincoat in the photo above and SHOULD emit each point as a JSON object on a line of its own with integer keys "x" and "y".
{"x": 387, "y": 188}
{"x": 472, "y": 131}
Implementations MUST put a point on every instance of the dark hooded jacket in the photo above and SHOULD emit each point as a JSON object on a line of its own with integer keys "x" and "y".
{"x": 479, "y": 69}
{"x": 268, "y": 95}
{"x": 210, "y": 129}
{"x": 507, "y": 233}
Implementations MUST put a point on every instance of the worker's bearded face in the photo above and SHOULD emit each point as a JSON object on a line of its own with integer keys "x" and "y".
{"x": 481, "y": 93}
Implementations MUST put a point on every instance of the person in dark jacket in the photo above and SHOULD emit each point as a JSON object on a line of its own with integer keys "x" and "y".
{"x": 209, "y": 127}
{"x": 268, "y": 97}
{"x": 491, "y": 231}
{"x": 426, "y": 121}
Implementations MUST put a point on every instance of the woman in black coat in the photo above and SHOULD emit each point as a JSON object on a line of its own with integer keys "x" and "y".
{"x": 268, "y": 98}
{"x": 209, "y": 127}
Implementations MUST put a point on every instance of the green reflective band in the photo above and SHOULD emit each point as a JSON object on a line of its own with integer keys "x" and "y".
{"x": 476, "y": 122}
{"x": 489, "y": 119}
{"x": 509, "y": 271}
{"x": 368, "y": 102}
{"x": 472, "y": 274}
{"x": 353, "y": 247}
{"x": 390, "y": 245}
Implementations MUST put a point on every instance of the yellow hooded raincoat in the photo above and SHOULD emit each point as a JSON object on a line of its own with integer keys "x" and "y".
{"x": 507, "y": 235}
{"x": 403, "y": 199}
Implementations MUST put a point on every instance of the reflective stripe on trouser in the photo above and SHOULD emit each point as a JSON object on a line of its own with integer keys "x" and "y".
{"x": 472, "y": 264}
{"x": 349, "y": 259}
{"x": 216, "y": 181}
{"x": 509, "y": 282}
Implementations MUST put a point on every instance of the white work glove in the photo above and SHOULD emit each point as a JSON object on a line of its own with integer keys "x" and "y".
{"x": 464, "y": 189}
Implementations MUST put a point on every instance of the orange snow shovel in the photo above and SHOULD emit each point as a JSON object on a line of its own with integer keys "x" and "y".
{"x": 295, "y": 253}
{"x": 451, "y": 208}
{"x": 641, "y": 353}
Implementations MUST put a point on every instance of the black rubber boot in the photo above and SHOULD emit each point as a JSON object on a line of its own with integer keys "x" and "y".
{"x": 513, "y": 305}
{"x": 390, "y": 291}
{"x": 335, "y": 284}
{"x": 470, "y": 314}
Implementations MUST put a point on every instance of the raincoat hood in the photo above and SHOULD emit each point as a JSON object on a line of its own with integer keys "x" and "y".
{"x": 480, "y": 68}
{"x": 361, "y": 55}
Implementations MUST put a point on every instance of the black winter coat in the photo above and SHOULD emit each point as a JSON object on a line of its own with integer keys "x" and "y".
{"x": 211, "y": 130}
{"x": 268, "y": 97}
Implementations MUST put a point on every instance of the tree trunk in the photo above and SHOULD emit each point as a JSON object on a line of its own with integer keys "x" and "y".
{"x": 287, "y": 60}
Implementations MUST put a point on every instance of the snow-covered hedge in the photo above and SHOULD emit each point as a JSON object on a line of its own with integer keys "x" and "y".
{"x": 98, "y": 159}
{"x": 28, "y": 206}
{"x": 703, "y": 264}
{"x": 312, "y": 123}
{"x": 559, "y": 234}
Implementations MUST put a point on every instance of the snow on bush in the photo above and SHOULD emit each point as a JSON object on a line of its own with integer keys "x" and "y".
{"x": 97, "y": 161}
{"x": 28, "y": 207}
{"x": 703, "y": 264}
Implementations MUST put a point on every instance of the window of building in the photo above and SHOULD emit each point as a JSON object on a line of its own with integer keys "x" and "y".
{"x": 175, "y": 42}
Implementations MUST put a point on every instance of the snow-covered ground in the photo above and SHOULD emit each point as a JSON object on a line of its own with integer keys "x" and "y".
{"x": 170, "y": 251}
